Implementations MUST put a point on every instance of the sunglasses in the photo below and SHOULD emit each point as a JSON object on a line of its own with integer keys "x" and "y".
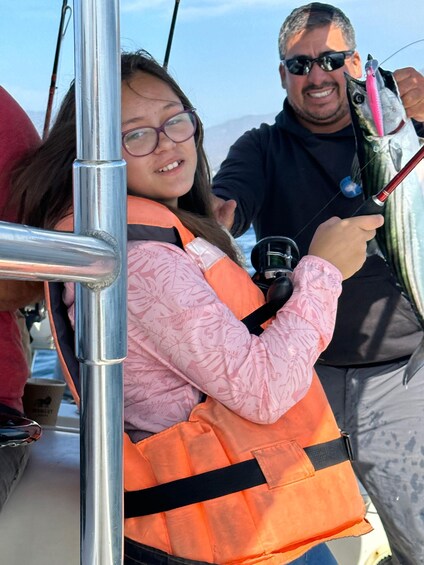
{"x": 140, "y": 142}
{"x": 328, "y": 62}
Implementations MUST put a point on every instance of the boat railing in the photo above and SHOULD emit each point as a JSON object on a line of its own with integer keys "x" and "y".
{"x": 94, "y": 257}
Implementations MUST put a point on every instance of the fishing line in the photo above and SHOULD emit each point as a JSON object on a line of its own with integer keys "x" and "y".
{"x": 382, "y": 147}
{"x": 317, "y": 214}
{"x": 340, "y": 192}
{"x": 401, "y": 49}
{"x": 380, "y": 64}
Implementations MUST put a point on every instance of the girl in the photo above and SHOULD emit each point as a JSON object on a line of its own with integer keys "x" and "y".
{"x": 185, "y": 299}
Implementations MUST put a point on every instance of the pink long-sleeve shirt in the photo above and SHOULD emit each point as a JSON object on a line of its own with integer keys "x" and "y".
{"x": 183, "y": 341}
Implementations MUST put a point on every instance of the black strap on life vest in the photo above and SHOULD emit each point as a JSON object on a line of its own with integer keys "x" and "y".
{"x": 141, "y": 232}
{"x": 261, "y": 315}
{"x": 204, "y": 486}
{"x": 226, "y": 480}
{"x": 64, "y": 330}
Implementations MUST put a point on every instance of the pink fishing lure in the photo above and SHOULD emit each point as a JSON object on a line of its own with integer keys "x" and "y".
{"x": 372, "y": 86}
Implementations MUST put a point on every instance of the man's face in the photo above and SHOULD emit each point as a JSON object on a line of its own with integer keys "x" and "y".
{"x": 319, "y": 98}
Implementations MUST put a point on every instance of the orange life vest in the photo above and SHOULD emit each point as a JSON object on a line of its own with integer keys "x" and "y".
{"x": 220, "y": 489}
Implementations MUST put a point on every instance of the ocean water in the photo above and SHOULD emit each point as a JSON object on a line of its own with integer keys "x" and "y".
{"x": 45, "y": 363}
{"x": 246, "y": 243}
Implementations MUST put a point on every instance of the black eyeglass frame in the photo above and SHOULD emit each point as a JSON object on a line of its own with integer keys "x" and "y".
{"x": 161, "y": 128}
{"x": 306, "y": 62}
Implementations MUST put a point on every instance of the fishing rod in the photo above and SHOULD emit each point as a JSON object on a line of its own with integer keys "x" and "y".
{"x": 374, "y": 204}
{"x": 171, "y": 35}
{"x": 52, "y": 89}
{"x": 274, "y": 257}
{"x": 375, "y": 207}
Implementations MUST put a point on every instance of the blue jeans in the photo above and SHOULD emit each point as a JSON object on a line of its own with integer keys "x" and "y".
{"x": 318, "y": 555}
{"x": 139, "y": 554}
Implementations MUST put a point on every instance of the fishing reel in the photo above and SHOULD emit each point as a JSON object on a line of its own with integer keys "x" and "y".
{"x": 274, "y": 259}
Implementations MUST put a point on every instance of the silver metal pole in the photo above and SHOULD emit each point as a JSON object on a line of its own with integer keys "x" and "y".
{"x": 32, "y": 254}
{"x": 95, "y": 256}
{"x": 101, "y": 327}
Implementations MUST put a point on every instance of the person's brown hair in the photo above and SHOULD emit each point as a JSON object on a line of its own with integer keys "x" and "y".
{"x": 42, "y": 183}
{"x": 311, "y": 16}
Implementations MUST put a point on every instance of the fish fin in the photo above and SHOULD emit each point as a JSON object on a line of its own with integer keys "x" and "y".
{"x": 396, "y": 154}
{"x": 355, "y": 171}
{"x": 415, "y": 363}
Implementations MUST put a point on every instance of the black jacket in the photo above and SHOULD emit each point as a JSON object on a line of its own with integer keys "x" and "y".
{"x": 286, "y": 181}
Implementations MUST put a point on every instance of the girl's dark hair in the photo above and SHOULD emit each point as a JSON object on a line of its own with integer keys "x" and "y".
{"x": 42, "y": 182}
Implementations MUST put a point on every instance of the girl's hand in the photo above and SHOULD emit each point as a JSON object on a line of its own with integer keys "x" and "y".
{"x": 344, "y": 242}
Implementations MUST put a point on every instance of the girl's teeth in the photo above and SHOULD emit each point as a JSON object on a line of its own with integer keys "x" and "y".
{"x": 169, "y": 167}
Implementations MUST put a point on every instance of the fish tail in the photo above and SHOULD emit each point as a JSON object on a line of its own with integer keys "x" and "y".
{"x": 415, "y": 363}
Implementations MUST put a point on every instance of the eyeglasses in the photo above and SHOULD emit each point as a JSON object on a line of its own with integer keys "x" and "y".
{"x": 140, "y": 142}
{"x": 328, "y": 62}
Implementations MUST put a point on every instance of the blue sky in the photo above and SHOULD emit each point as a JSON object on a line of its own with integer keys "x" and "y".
{"x": 224, "y": 53}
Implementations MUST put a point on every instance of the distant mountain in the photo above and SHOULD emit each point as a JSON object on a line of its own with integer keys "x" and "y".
{"x": 218, "y": 139}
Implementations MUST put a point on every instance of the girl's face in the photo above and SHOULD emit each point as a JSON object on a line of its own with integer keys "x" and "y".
{"x": 168, "y": 172}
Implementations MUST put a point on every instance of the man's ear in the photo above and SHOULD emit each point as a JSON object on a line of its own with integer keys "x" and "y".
{"x": 355, "y": 65}
{"x": 282, "y": 71}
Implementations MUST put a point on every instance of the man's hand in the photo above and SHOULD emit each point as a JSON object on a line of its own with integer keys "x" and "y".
{"x": 411, "y": 88}
{"x": 224, "y": 211}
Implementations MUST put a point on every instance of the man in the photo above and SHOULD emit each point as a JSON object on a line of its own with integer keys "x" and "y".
{"x": 17, "y": 135}
{"x": 285, "y": 179}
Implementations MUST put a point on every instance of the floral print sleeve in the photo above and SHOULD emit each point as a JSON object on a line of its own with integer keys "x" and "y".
{"x": 183, "y": 341}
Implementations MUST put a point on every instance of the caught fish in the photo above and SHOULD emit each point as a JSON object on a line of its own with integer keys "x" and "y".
{"x": 386, "y": 140}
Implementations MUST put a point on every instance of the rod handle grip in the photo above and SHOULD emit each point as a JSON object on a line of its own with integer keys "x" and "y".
{"x": 369, "y": 207}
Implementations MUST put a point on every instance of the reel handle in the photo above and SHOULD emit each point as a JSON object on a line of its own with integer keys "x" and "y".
{"x": 274, "y": 259}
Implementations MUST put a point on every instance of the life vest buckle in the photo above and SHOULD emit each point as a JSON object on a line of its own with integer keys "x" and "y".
{"x": 348, "y": 445}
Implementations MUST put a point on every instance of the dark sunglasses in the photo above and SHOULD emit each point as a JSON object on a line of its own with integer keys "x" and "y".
{"x": 328, "y": 62}
{"x": 142, "y": 141}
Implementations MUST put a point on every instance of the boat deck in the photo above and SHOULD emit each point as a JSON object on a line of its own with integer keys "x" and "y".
{"x": 40, "y": 523}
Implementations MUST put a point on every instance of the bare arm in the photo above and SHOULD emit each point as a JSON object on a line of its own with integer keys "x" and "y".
{"x": 17, "y": 294}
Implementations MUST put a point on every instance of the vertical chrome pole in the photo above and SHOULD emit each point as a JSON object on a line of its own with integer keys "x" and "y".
{"x": 101, "y": 329}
